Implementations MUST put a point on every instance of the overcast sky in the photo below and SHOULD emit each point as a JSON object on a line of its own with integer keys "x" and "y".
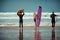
{"x": 29, "y": 5}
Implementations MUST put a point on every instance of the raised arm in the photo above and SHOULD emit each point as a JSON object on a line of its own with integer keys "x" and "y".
{"x": 56, "y": 15}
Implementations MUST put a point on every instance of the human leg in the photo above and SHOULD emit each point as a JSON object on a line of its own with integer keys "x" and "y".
{"x": 53, "y": 26}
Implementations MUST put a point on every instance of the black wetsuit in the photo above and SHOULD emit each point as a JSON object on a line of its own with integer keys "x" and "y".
{"x": 21, "y": 19}
{"x": 53, "y": 19}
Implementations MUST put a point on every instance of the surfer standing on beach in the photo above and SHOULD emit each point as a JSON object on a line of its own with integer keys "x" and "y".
{"x": 35, "y": 16}
{"x": 53, "y": 19}
{"x": 20, "y": 13}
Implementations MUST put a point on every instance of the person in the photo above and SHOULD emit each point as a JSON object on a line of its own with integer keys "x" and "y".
{"x": 35, "y": 25}
{"x": 20, "y": 13}
{"x": 34, "y": 15}
{"x": 53, "y": 19}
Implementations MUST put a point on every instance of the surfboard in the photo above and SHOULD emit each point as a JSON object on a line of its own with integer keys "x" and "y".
{"x": 38, "y": 20}
{"x": 20, "y": 11}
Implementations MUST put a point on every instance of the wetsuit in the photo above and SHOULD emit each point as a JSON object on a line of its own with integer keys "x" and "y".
{"x": 21, "y": 19}
{"x": 53, "y": 19}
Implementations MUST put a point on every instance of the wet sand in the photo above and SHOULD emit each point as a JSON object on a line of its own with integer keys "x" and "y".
{"x": 45, "y": 33}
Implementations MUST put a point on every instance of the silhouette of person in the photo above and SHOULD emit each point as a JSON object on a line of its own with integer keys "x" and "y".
{"x": 20, "y": 13}
{"x": 53, "y": 19}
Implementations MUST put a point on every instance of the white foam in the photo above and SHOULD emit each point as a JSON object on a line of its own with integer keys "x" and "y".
{"x": 28, "y": 15}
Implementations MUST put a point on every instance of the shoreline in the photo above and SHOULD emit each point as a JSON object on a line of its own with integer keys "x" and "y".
{"x": 15, "y": 25}
{"x": 25, "y": 26}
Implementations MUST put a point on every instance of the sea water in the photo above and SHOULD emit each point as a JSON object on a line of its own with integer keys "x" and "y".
{"x": 12, "y": 18}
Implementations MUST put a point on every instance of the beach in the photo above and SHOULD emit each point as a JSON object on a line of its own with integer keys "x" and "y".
{"x": 10, "y": 20}
{"x": 12, "y": 33}
{"x": 9, "y": 27}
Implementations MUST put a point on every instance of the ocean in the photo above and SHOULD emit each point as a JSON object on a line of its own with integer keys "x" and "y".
{"x": 11, "y": 18}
